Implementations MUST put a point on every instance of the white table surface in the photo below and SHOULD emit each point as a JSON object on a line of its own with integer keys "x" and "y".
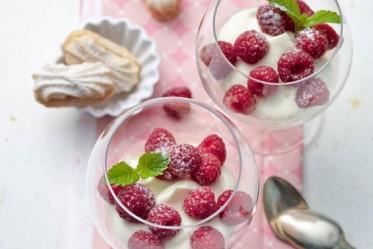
{"x": 44, "y": 152}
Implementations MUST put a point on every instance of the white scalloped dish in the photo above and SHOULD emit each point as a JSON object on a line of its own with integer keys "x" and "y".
{"x": 140, "y": 45}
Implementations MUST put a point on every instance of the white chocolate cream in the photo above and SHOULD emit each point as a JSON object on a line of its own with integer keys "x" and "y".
{"x": 281, "y": 105}
{"x": 173, "y": 194}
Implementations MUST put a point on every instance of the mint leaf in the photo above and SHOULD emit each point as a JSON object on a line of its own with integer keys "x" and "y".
{"x": 323, "y": 16}
{"x": 152, "y": 164}
{"x": 291, "y": 8}
{"x": 122, "y": 174}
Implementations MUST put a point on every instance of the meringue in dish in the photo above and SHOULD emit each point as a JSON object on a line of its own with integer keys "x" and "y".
{"x": 59, "y": 85}
{"x": 87, "y": 46}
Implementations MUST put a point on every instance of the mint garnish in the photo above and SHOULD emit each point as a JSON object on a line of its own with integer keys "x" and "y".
{"x": 149, "y": 165}
{"x": 152, "y": 164}
{"x": 323, "y": 16}
{"x": 301, "y": 20}
{"x": 122, "y": 174}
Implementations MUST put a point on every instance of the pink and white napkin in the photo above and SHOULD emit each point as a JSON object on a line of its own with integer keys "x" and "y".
{"x": 176, "y": 45}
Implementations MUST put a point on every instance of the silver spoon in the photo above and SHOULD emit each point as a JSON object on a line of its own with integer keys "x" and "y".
{"x": 293, "y": 222}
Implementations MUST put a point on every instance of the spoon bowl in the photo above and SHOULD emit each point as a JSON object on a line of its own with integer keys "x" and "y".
{"x": 292, "y": 221}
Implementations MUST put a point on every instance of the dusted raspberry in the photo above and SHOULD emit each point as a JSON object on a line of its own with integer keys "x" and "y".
{"x": 251, "y": 46}
{"x": 200, "y": 203}
{"x": 271, "y": 20}
{"x": 165, "y": 216}
{"x": 304, "y": 8}
{"x": 208, "y": 171}
{"x": 144, "y": 240}
{"x": 159, "y": 140}
{"x": 138, "y": 199}
{"x": 295, "y": 65}
{"x": 177, "y": 109}
{"x": 184, "y": 159}
{"x": 312, "y": 41}
{"x": 207, "y": 238}
{"x": 331, "y": 35}
{"x": 266, "y": 74}
{"x": 215, "y": 145}
{"x": 104, "y": 191}
{"x": 312, "y": 93}
{"x": 238, "y": 210}
{"x": 239, "y": 99}
{"x": 167, "y": 176}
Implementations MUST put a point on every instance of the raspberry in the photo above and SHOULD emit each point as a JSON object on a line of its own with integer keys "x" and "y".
{"x": 251, "y": 47}
{"x": 209, "y": 51}
{"x": 312, "y": 93}
{"x": 177, "y": 109}
{"x": 228, "y": 51}
{"x": 331, "y": 35}
{"x": 262, "y": 73}
{"x": 178, "y": 92}
{"x": 294, "y": 65}
{"x": 104, "y": 191}
{"x": 159, "y": 140}
{"x": 207, "y": 238}
{"x": 304, "y": 8}
{"x": 239, "y": 99}
{"x": 184, "y": 159}
{"x": 165, "y": 216}
{"x": 289, "y": 23}
{"x": 238, "y": 210}
{"x": 200, "y": 203}
{"x": 312, "y": 41}
{"x": 271, "y": 20}
{"x": 167, "y": 176}
{"x": 144, "y": 240}
{"x": 215, "y": 145}
{"x": 138, "y": 199}
{"x": 208, "y": 171}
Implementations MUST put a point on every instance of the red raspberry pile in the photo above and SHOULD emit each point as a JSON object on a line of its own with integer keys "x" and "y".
{"x": 201, "y": 164}
{"x": 251, "y": 47}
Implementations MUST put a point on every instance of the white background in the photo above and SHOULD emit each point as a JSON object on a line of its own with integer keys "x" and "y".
{"x": 43, "y": 152}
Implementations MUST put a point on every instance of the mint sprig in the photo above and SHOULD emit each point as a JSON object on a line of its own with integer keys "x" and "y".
{"x": 301, "y": 20}
{"x": 149, "y": 165}
{"x": 152, "y": 164}
{"x": 122, "y": 174}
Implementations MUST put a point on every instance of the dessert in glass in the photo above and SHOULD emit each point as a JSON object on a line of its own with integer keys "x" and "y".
{"x": 172, "y": 173}
{"x": 273, "y": 64}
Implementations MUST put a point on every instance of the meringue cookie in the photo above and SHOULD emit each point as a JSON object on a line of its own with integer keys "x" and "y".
{"x": 163, "y": 10}
{"x": 87, "y": 46}
{"x": 59, "y": 85}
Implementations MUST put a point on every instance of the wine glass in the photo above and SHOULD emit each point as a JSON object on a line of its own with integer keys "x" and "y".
{"x": 303, "y": 91}
{"x": 189, "y": 122}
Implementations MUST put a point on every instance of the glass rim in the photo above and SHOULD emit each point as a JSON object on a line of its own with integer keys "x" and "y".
{"x": 227, "y": 123}
{"x": 314, "y": 74}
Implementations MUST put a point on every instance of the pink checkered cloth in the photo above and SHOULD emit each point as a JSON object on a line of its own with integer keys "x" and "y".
{"x": 176, "y": 45}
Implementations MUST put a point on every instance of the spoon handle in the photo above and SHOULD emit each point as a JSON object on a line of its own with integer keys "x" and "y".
{"x": 343, "y": 244}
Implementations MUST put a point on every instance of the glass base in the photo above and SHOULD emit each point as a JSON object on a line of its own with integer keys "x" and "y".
{"x": 264, "y": 141}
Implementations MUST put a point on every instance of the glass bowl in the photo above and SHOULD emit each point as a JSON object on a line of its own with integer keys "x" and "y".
{"x": 292, "y": 101}
{"x": 124, "y": 140}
